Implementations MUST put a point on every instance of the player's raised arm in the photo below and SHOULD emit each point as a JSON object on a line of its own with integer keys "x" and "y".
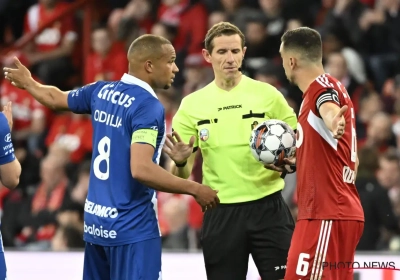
{"x": 10, "y": 168}
{"x": 49, "y": 96}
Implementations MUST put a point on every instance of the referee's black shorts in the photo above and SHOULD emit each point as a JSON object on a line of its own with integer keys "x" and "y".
{"x": 262, "y": 228}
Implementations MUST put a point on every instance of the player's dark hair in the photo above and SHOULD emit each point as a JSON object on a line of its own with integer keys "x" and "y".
{"x": 221, "y": 29}
{"x": 305, "y": 41}
{"x": 147, "y": 44}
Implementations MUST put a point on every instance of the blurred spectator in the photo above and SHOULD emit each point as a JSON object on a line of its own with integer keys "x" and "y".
{"x": 261, "y": 47}
{"x": 79, "y": 191}
{"x": 379, "y": 132}
{"x": 197, "y": 73}
{"x": 369, "y": 105}
{"x": 107, "y": 61}
{"x": 336, "y": 65}
{"x": 39, "y": 216}
{"x": 132, "y": 21}
{"x": 216, "y": 17}
{"x": 378, "y": 210}
{"x": 71, "y": 133}
{"x": 164, "y": 30}
{"x": 67, "y": 238}
{"x": 293, "y": 24}
{"x": 334, "y": 40}
{"x": 344, "y": 16}
{"x": 175, "y": 214}
{"x": 382, "y": 25}
{"x": 190, "y": 33}
{"x": 12, "y": 13}
{"x": 51, "y": 52}
{"x": 231, "y": 7}
{"x": 29, "y": 116}
{"x": 274, "y": 11}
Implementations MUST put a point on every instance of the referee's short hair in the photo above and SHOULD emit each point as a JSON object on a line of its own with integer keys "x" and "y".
{"x": 221, "y": 29}
{"x": 305, "y": 41}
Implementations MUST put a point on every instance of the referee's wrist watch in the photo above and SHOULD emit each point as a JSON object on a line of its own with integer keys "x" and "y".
{"x": 183, "y": 164}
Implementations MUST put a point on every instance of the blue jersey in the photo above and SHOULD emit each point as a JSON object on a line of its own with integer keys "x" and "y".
{"x": 120, "y": 210}
{"x": 6, "y": 156}
{"x": 7, "y": 148}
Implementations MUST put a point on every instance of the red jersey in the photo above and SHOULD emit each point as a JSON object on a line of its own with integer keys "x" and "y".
{"x": 110, "y": 68}
{"x": 25, "y": 107}
{"x": 75, "y": 134}
{"x": 325, "y": 166}
{"x": 50, "y": 38}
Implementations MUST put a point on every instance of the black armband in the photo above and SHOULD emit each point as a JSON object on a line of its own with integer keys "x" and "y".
{"x": 329, "y": 95}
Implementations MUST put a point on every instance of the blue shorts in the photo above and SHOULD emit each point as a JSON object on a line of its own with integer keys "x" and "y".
{"x": 141, "y": 260}
{"x": 3, "y": 268}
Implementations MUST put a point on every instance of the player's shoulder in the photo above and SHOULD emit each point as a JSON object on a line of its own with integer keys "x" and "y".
{"x": 323, "y": 83}
{"x": 149, "y": 103}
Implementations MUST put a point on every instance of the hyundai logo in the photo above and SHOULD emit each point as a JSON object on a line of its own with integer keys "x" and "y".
{"x": 7, "y": 138}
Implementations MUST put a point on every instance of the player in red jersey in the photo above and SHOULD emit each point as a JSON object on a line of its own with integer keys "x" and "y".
{"x": 330, "y": 218}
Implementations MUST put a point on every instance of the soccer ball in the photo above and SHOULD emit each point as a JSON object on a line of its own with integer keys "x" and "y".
{"x": 272, "y": 141}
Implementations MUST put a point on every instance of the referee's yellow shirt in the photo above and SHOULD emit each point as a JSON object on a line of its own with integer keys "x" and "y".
{"x": 222, "y": 122}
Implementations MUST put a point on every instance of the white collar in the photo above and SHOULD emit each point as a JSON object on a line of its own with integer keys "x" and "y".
{"x": 129, "y": 79}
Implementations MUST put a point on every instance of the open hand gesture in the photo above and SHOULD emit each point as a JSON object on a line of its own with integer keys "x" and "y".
{"x": 18, "y": 77}
{"x": 176, "y": 149}
{"x": 339, "y": 123}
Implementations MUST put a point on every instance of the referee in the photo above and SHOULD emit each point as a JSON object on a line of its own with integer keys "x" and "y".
{"x": 252, "y": 217}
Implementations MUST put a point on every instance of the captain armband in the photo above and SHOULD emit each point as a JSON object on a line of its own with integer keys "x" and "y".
{"x": 330, "y": 95}
{"x": 148, "y": 136}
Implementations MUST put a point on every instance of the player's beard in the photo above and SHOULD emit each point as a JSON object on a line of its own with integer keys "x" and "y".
{"x": 167, "y": 87}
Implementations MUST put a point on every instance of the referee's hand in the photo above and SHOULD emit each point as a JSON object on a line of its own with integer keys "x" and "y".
{"x": 288, "y": 167}
{"x": 206, "y": 197}
{"x": 176, "y": 149}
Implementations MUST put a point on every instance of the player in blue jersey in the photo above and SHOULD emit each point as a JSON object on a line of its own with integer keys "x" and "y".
{"x": 10, "y": 168}
{"x": 120, "y": 220}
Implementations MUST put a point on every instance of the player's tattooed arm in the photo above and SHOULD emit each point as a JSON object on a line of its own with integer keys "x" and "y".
{"x": 49, "y": 96}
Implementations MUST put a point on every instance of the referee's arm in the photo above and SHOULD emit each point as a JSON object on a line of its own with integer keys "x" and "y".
{"x": 183, "y": 125}
{"x": 185, "y": 171}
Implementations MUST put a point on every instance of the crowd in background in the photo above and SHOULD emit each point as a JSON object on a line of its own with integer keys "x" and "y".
{"x": 361, "y": 48}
